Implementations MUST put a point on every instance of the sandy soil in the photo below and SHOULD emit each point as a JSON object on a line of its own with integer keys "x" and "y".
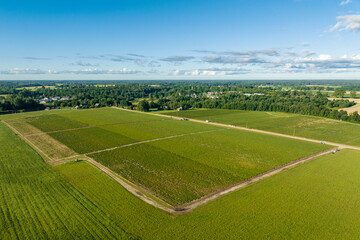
{"x": 350, "y": 109}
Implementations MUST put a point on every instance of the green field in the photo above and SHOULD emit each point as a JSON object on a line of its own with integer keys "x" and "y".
{"x": 178, "y": 169}
{"x": 316, "y": 200}
{"x": 292, "y": 124}
{"x": 182, "y": 169}
{"x": 38, "y": 203}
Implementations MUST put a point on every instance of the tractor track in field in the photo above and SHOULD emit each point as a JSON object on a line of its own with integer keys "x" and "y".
{"x": 93, "y": 126}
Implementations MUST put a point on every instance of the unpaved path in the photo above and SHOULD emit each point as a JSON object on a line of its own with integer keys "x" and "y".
{"x": 252, "y": 130}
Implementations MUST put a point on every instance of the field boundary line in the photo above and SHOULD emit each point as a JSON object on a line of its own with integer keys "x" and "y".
{"x": 93, "y": 126}
{"x": 27, "y": 140}
{"x": 63, "y": 160}
{"x": 340, "y": 145}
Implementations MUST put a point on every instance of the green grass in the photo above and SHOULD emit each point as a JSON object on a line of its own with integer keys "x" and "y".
{"x": 316, "y": 200}
{"x": 38, "y": 203}
{"x": 185, "y": 168}
{"x": 305, "y": 126}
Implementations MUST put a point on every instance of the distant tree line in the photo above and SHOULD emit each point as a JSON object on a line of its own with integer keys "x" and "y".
{"x": 282, "y": 96}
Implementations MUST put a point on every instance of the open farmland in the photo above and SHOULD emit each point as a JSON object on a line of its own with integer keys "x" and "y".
{"x": 211, "y": 161}
{"x": 178, "y": 161}
{"x": 292, "y": 124}
{"x": 316, "y": 200}
{"x": 38, "y": 203}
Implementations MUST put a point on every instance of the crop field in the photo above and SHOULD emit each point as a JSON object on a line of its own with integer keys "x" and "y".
{"x": 38, "y": 203}
{"x": 291, "y": 124}
{"x": 210, "y": 162}
{"x": 316, "y": 200}
{"x": 177, "y": 161}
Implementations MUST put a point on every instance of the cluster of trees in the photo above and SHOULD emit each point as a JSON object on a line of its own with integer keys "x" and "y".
{"x": 14, "y": 103}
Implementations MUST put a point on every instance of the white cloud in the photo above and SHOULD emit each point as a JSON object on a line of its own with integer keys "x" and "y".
{"x": 84, "y": 64}
{"x": 347, "y": 23}
{"x": 99, "y": 71}
{"x": 232, "y": 60}
{"x": 324, "y": 57}
{"x": 23, "y": 71}
{"x": 345, "y": 2}
{"x": 14, "y": 71}
{"x": 212, "y": 71}
{"x": 177, "y": 58}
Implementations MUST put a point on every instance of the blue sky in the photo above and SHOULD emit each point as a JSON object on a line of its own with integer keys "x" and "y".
{"x": 155, "y": 39}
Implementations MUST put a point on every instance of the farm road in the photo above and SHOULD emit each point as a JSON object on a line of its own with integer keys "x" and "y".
{"x": 340, "y": 145}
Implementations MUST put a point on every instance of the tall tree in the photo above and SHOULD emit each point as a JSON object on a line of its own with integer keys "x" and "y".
{"x": 143, "y": 106}
{"x": 353, "y": 94}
